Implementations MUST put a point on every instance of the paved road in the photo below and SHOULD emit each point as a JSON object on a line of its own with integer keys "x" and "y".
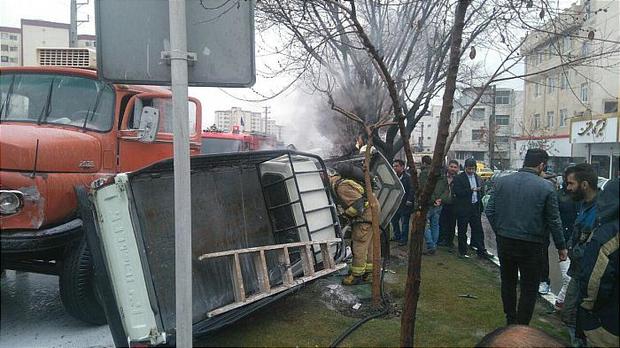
{"x": 32, "y": 316}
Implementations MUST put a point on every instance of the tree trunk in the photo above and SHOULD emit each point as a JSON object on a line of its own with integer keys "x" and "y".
{"x": 412, "y": 288}
{"x": 376, "y": 231}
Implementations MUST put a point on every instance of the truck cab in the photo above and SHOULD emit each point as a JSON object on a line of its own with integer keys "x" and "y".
{"x": 62, "y": 128}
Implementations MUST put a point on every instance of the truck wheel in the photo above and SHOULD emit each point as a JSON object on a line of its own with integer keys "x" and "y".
{"x": 77, "y": 288}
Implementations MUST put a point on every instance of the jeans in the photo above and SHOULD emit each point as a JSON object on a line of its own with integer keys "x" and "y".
{"x": 401, "y": 219}
{"x": 431, "y": 234}
{"x": 447, "y": 225}
{"x": 518, "y": 256}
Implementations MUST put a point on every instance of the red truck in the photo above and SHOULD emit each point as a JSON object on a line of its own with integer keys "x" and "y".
{"x": 62, "y": 128}
{"x": 222, "y": 142}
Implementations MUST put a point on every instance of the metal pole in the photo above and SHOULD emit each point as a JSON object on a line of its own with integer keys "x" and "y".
{"x": 182, "y": 193}
{"x": 73, "y": 25}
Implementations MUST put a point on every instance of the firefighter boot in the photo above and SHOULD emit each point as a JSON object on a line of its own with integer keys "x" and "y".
{"x": 367, "y": 276}
{"x": 352, "y": 280}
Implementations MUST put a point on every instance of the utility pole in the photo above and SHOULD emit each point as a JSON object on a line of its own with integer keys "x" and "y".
{"x": 492, "y": 131}
{"x": 182, "y": 192}
{"x": 266, "y": 108}
{"x": 74, "y": 22}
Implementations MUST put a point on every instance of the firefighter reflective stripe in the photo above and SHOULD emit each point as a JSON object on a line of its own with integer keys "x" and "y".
{"x": 358, "y": 270}
{"x": 369, "y": 267}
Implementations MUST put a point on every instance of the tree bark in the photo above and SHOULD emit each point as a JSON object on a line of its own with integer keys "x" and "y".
{"x": 376, "y": 231}
{"x": 412, "y": 288}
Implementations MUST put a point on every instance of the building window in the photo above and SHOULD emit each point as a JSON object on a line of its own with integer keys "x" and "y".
{"x": 536, "y": 89}
{"x": 13, "y": 48}
{"x": 502, "y": 139}
{"x": 502, "y": 120}
{"x": 13, "y": 37}
{"x": 477, "y": 113}
{"x": 4, "y": 36}
{"x": 550, "y": 117}
{"x": 87, "y": 43}
{"x": 458, "y": 136}
{"x": 502, "y": 97}
{"x": 550, "y": 85}
{"x": 610, "y": 106}
{"x": 585, "y": 49}
{"x": 564, "y": 80}
{"x": 4, "y": 59}
{"x": 13, "y": 60}
{"x": 566, "y": 42}
{"x": 584, "y": 92}
{"x": 539, "y": 56}
{"x": 476, "y": 134}
{"x": 4, "y": 47}
{"x": 536, "y": 119}
{"x": 563, "y": 116}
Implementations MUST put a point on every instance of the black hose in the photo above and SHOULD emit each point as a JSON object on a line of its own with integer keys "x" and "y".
{"x": 360, "y": 322}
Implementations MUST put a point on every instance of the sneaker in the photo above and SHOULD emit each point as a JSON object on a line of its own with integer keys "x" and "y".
{"x": 352, "y": 280}
{"x": 543, "y": 288}
{"x": 559, "y": 305}
{"x": 463, "y": 256}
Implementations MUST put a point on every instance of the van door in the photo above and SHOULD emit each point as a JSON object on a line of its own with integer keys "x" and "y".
{"x": 136, "y": 148}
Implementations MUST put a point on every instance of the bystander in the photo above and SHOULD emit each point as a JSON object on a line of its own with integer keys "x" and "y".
{"x": 468, "y": 192}
{"x": 400, "y": 221}
{"x": 523, "y": 210}
{"x": 447, "y": 219}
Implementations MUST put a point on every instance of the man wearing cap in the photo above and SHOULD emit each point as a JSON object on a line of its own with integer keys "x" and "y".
{"x": 468, "y": 191}
{"x": 522, "y": 210}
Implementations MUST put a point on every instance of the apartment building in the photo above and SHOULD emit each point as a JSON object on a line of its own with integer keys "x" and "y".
{"x": 10, "y": 46}
{"x": 472, "y": 138}
{"x": 226, "y": 120}
{"x": 571, "y": 110}
{"x": 18, "y": 46}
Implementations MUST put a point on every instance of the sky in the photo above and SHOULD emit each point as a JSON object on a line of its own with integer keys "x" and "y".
{"x": 212, "y": 99}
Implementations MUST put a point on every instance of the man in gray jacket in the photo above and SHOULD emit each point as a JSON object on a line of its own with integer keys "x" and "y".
{"x": 522, "y": 210}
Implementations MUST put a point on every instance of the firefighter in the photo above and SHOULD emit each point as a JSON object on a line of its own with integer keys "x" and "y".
{"x": 351, "y": 197}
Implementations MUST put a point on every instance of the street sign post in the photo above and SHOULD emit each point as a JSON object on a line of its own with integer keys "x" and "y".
{"x": 133, "y": 41}
{"x": 177, "y": 42}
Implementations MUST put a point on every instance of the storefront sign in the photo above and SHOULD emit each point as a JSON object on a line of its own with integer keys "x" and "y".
{"x": 602, "y": 130}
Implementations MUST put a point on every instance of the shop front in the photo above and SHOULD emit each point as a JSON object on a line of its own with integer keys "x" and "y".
{"x": 597, "y": 139}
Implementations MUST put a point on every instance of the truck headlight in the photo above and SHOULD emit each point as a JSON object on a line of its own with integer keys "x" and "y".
{"x": 10, "y": 201}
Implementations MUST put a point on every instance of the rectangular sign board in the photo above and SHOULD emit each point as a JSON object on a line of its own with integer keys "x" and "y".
{"x": 132, "y": 34}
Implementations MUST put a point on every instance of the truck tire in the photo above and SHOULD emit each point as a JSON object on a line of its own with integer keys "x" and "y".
{"x": 77, "y": 288}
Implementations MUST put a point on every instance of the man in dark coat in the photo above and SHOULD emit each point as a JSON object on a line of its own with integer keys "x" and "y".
{"x": 400, "y": 221}
{"x": 523, "y": 212}
{"x": 599, "y": 274}
{"x": 468, "y": 191}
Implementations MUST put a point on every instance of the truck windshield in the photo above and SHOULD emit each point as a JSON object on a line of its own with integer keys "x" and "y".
{"x": 56, "y": 99}
{"x": 218, "y": 145}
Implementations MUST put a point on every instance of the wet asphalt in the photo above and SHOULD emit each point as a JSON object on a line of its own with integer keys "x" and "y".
{"x": 32, "y": 315}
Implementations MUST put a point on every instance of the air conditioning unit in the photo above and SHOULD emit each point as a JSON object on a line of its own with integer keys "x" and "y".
{"x": 73, "y": 57}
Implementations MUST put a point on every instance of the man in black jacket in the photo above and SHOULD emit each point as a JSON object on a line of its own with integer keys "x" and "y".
{"x": 599, "y": 274}
{"x": 522, "y": 210}
{"x": 400, "y": 221}
{"x": 468, "y": 191}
